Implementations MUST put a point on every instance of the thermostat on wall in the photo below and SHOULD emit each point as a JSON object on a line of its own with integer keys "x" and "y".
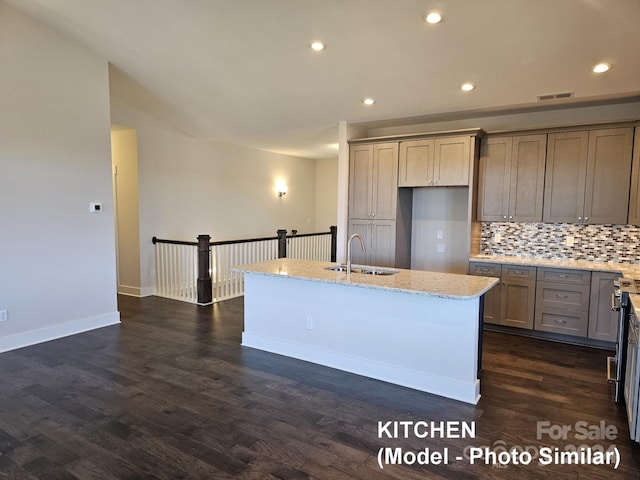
{"x": 95, "y": 207}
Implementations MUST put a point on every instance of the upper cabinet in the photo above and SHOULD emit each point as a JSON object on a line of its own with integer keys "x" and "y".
{"x": 435, "y": 162}
{"x": 634, "y": 201}
{"x": 587, "y": 176}
{"x": 373, "y": 181}
{"x": 511, "y": 178}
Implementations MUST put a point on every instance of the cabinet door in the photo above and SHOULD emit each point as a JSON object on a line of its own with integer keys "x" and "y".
{"x": 493, "y": 180}
{"x": 517, "y": 303}
{"x": 603, "y": 322}
{"x": 451, "y": 161}
{"x": 634, "y": 202}
{"x": 492, "y": 297}
{"x": 385, "y": 181}
{"x": 360, "y": 181}
{"x": 416, "y": 163}
{"x": 608, "y": 175}
{"x": 565, "y": 177}
{"x": 383, "y": 243}
{"x": 363, "y": 227}
{"x": 526, "y": 190}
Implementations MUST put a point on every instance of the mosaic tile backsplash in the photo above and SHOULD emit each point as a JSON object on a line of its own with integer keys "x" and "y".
{"x": 600, "y": 243}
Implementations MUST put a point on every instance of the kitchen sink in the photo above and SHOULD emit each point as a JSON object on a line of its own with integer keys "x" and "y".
{"x": 363, "y": 269}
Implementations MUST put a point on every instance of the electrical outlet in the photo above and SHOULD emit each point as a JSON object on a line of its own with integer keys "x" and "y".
{"x": 440, "y": 248}
{"x": 497, "y": 238}
{"x": 570, "y": 241}
{"x": 4, "y": 315}
{"x": 152, "y": 273}
{"x": 309, "y": 323}
{"x": 439, "y": 235}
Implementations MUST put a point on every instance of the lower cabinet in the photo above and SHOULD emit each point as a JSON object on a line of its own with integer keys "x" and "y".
{"x": 603, "y": 322}
{"x": 517, "y": 296}
{"x": 492, "y": 297}
{"x": 562, "y": 301}
{"x": 379, "y": 239}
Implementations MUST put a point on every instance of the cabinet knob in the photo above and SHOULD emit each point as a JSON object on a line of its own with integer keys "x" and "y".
{"x": 510, "y": 217}
{"x": 586, "y": 218}
{"x": 579, "y": 218}
{"x": 505, "y": 217}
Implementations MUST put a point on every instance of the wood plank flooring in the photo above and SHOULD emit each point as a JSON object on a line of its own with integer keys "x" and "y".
{"x": 171, "y": 394}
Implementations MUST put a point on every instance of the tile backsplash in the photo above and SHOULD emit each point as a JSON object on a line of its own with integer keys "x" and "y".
{"x": 601, "y": 243}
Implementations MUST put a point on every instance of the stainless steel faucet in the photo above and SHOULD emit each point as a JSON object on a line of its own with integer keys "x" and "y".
{"x": 358, "y": 236}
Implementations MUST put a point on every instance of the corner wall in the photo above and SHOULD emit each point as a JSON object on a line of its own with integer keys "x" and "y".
{"x": 57, "y": 260}
{"x": 190, "y": 186}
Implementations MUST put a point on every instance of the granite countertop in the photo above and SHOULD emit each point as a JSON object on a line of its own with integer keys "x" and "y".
{"x": 626, "y": 269}
{"x": 443, "y": 285}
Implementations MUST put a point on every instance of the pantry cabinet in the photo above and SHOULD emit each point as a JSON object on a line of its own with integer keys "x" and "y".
{"x": 585, "y": 176}
{"x": 435, "y": 162}
{"x": 377, "y": 210}
{"x": 511, "y": 178}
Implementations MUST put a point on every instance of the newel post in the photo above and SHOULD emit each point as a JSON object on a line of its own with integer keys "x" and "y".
{"x": 282, "y": 243}
{"x": 205, "y": 291}
{"x": 334, "y": 242}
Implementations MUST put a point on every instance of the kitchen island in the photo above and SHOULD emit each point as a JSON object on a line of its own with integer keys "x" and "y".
{"x": 413, "y": 328}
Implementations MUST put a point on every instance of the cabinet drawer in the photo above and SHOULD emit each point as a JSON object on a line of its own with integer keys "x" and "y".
{"x": 576, "y": 277}
{"x": 560, "y": 295}
{"x": 485, "y": 269}
{"x": 561, "y": 321}
{"x": 516, "y": 272}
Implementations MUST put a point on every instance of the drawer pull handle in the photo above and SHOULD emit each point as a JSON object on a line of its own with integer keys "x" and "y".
{"x": 518, "y": 272}
{"x": 560, "y": 321}
{"x": 563, "y": 297}
{"x": 563, "y": 275}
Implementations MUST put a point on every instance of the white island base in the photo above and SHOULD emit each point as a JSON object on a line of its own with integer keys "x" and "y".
{"x": 424, "y": 342}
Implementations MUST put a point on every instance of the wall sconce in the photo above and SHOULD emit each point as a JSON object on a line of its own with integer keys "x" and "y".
{"x": 281, "y": 188}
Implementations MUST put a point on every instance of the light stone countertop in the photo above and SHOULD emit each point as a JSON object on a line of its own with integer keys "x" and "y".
{"x": 443, "y": 285}
{"x": 626, "y": 269}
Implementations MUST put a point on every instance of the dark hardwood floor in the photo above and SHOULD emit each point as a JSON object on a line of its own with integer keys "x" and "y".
{"x": 171, "y": 394}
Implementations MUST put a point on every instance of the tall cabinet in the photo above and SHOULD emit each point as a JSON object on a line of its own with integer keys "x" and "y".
{"x": 374, "y": 204}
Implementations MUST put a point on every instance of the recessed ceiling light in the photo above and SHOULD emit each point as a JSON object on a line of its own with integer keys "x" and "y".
{"x": 317, "y": 46}
{"x": 368, "y": 101}
{"x": 433, "y": 17}
{"x": 601, "y": 68}
{"x": 467, "y": 87}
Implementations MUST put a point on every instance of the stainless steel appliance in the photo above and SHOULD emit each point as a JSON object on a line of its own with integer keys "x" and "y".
{"x": 616, "y": 365}
{"x": 632, "y": 377}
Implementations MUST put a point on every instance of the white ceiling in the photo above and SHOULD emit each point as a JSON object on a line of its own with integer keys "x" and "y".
{"x": 241, "y": 71}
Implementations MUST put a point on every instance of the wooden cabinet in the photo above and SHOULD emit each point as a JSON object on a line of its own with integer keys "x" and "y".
{"x": 586, "y": 174}
{"x": 562, "y": 301}
{"x": 376, "y": 210}
{"x": 435, "y": 162}
{"x": 517, "y": 297}
{"x": 380, "y": 242}
{"x": 603, "y": 322}
{"x": 373, "y": 181}
{"x": 634, "y": 201}
{"x": 511, "y": 178}
{"x": 492, "y": 297}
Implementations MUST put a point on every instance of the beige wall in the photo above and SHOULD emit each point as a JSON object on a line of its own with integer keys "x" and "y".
{"x": 57, "y": 260}
{"x": 326, "y": 193}
{"x": 124, "y": 157}
{"x": 189, "y": 186}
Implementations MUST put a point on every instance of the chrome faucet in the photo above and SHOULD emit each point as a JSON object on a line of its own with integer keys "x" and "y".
{"x": 358, "y": 236}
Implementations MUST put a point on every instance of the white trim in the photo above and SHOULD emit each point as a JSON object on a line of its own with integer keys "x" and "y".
{"x": 465, "y": 392}
{"x": 131, "y": 291}
{"x": 54, "y": 332}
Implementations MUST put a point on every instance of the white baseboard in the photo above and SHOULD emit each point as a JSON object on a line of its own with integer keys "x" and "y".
{"x": 136, "y": 291}
{"x": 53, "y": 332}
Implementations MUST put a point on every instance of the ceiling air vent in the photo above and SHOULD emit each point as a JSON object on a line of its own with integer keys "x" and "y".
{"x": 554, "y": 96}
